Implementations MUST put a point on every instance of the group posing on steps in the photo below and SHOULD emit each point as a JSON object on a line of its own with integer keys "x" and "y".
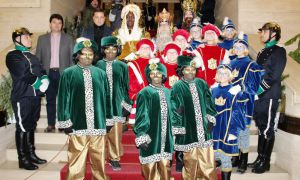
{"x": 194, "y": 97}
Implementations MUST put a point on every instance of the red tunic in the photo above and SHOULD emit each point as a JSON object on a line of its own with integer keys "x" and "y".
{"x": 134, "y": 84}
{"x": 136, "y": 71}
{"x": 212, "y": 55}
{"x": 172, "y": 76}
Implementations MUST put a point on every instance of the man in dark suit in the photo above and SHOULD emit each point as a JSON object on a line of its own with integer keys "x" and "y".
{"x": 149, "y": 14}
{"x": 54, "y": 51}
{"x": 97, "y": 31}
{"x": 115, "y": 14}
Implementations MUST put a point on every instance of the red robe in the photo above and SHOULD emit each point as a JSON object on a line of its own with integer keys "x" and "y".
{"x": 172, "y": 75}
{"x": 134, "y": 85}
{"x": 137, "y": 81}
{"x": 212, "y": 55}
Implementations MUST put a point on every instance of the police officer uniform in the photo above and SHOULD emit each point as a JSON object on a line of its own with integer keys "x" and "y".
{"x": 273, "y": 59}
{"x": 29, "y": 83}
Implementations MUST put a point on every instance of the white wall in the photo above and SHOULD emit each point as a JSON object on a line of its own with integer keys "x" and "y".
{"x": 249, "y": 15}
{"x": 254, "y": 13}
{"x": 7, "y": 139}
{"x": 34, "y": 18}
{"x": 227, "y": 8}
{"x": 287, "y": 153}
{"x": 67, "y": 8}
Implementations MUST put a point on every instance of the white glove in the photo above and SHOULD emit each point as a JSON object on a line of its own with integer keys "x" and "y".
{"x": 214, "y": 85}
{"x": 44, "y": 85}
{"x": 199, "y": 59}
{"x": 256, "y": 97}
{"x": 111, "y": 17}
{"x": 130, "y": 57}
{"x": 235, "y": 89}
{"x": 231, "y": 137}
{"x": 149, "y": 18}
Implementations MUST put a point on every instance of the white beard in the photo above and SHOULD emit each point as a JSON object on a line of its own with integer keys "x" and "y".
{"x": 163, "y": 37}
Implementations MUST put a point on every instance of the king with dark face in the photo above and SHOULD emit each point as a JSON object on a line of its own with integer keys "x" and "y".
{"x": 110, "y": 53}
{"x": 189, "y": 73}
{"x": 130, "y": 20}
{"x": 86, "y": 57}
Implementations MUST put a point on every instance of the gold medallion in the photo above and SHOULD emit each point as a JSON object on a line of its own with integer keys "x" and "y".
{"x": 212, "y": 63}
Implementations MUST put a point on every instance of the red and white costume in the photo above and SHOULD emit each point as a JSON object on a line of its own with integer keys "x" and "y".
{"x": 137, "y": 77}
{"x": 171, "y": 67}
{"x": 211, "y": 55}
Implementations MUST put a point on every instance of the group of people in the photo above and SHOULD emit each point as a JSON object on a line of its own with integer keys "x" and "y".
{"x": 183, "y": 90}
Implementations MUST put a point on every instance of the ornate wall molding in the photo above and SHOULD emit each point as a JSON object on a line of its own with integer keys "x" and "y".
{"x": 23, "y": 3}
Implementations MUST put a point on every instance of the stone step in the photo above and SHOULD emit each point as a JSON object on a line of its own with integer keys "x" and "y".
{"x": 42, "y": 122}
{"x": 43, "y": 112}
{"x": 43, "y": 101}
{"x": 275, "y": 173}
{"x": 50, "y": 138}
{"x": 51, "y": 155}
{"x": 9, "y": 170}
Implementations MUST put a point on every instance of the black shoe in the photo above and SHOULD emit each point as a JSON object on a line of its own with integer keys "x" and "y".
{"x": 115, "y": 165}
{"x": 260, "y": 148}
{"x": 179, "y": 160}
{"x": 264, "y": 165}
{"x": 31, "y": 149}
{"x": 49, "y": 129}
{"x": 235, "y": 160}
{"x": 24, "y": 161}
{"x": 226, "y": 175}
{"x": 243, "y": 163}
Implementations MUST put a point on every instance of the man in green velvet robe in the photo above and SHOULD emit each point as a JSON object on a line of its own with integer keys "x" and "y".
{"x": 82, "y": 109}
{"x": 153, "y": 126}
{"x": 193, "y": 109}
{"x": 117, "y": 74}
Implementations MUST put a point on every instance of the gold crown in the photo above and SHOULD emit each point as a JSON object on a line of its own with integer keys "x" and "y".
{"x": 220, "y": 101}
{"x": 235, "y": 73}
{"x": 189, "y": 5}
{"x": 164, "y": 16}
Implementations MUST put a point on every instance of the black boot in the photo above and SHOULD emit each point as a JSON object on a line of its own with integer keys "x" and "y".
{"x": 226, "y": 175}
{"x": 23, "y": 157}
{"x": 243, "y": 163}
{"x": 264, "y": 165}
{"x": 179, "y": 160}
{"x": 260, "y": 148}
{"x": 235, "y": 160}
{"x": 31, "y": 149}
